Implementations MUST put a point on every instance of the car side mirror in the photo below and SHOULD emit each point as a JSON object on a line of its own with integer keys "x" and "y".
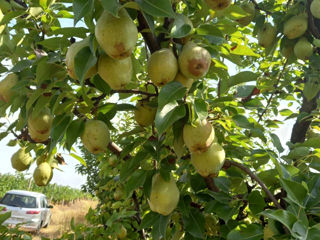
{"x": 49, "y": 206}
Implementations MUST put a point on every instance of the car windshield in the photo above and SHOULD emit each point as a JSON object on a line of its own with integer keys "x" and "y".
{"x": 19, "y": 201}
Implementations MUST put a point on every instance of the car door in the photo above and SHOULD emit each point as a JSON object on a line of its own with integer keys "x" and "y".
{"x": 47, "y": 211}
{"x": 43, "y": 209}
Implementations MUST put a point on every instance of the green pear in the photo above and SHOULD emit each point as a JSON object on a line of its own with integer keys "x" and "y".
{"x": 112, "y": 160}
{"x": 315, "y": 8}
{"x": 117, "y": 36}
{"x": 267, "y": 35}
{"x": 39, "y": 125}
{"x": 251, "y": 10}
{"x": 117, "y": 73}
{"x": 198, "y": 138}
{"x": 118, "y": 194}
{"x": 96, "y": 136}
{"x": 218, "y": 4}
{"x": 144, "y": 114}
{"x": 186, "y": 82}
{"x": 6, "y": 86}
{"x": 21, "y": 160}
{"x": 123, "y": 233}
{"x": 43, "y": 173}
{"x": 194, "y": 61}
{"x": 210, "y": 162}
{"x": 296, "y": 26}
{"x": 162, "y": 67}
{"x": 164, "y": 196}
{"x": 303, "y": 49}
{"x": 71, "y": 53}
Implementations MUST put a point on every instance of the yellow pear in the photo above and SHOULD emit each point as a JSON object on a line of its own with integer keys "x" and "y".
{"x": 43, "y": 173}
{"x": 21, "y": 160}
{"x": 164, "y": 196}
{"x": 198, "y": 138}
{"x": 96, "y": 136}
{"x": 117, "y": 36}
{"x": 6, "y": 86}
{"x": 218, "y": 4}
{"x": 315, "y": 8}
{"x": 38, "y": 137}
{"x": 117, "y": 73}
{"x": 186, "y": 82}
{"x": 210, "y": 162}
{"x": 39, "y": 125}
{"x": 123, "y": 233}
{"x": 162, "y": 67}
{"x": 303, "y": 49}
{"x": 194, "y": 61}
{"x": 251, "y": 10}
{"x": 267, "y": 35}
{"x": 144, "y": 114}
{"x": 71, "y": 53}
{"x": 296, "y": 26}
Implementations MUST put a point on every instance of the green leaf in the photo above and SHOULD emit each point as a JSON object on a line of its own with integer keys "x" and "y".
{"x": 276, "y": 142}
{"x": 157, "y": 8}
{"x": 181, "y": 27}
{"x": 149, "y": 220}
{"x": 256, "y": 202}
{"x": 169, "y": 114}
{"x": 4, "y": 217}
{"x": 83, "y": 61}
{"x": 55, "y": 43}
{"x": 224, "y": 211}
{"x": 21, "y": 65}
{"x": 194, "y": 223}
{"x": 200, "y": 108}
{"x": 285, "y": 112}
{"x": 136, "y": 180}
{"x": 246, "y": 232}
{"x": 296, "y": 191}
{"x": 74, "y": 131}
{"x": 81, "y": 8}
{"x": 242, "y": 121}
{"x": 170, "y": 92}
{"x": 112, "y": 6}
{"x": 243, "y": 77}
{"x": 100, "y": 84}
{"x": 133, "y": 164}
{"x": 59, "y": 127}
{"x": 80, "y": 159}
{"x": 283, "y": 216}
{"x": 160, "y": 226}
{"x": 67, "y": 32}
{"x": 244, "y": 91}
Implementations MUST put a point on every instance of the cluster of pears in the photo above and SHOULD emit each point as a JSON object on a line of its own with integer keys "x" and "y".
{"x": 117, "y": 36}
{"x": 22, "y": 160}
{"x": 294, "y": 29}
{"x": 207, "y": 155}
{"x": 39, "y": 125}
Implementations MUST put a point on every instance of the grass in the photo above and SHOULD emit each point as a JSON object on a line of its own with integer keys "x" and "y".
{"x": 62, "y": 215}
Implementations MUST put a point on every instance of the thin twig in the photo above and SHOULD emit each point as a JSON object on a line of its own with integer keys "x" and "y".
{"x": 138, "y": 215}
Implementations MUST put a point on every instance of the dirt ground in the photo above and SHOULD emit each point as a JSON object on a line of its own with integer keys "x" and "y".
{"x": 61, "y": 217}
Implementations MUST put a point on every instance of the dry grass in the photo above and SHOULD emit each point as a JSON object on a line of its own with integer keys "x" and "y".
{"x": 62, "y": 215}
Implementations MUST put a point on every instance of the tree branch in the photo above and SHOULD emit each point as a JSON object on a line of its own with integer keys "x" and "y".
{"x": 210, "y": 184}
{"x": 229, "y": 163}
{"x": 138, "y": 215}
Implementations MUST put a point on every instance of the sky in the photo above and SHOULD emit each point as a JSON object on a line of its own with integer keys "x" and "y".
{"x": 69, "y": 177}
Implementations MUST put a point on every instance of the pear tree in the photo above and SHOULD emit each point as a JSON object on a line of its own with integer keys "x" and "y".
{"x": 193, "y": 119}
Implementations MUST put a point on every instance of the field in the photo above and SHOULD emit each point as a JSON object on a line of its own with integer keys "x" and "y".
{"x": 62, "y": 215}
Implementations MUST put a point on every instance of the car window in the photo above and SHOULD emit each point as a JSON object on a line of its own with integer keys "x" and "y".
{"x": 19, "y": 201}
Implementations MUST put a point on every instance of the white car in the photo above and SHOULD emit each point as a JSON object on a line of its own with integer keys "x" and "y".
{"x": 30, "y": 209}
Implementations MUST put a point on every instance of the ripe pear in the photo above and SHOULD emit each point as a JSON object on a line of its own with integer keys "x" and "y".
{"x": 71, "y": 53}
{"x": 96, "y": 136}
{"x": 210, "y": 162}
{"x": 123, "y": 233}
{"x": 162, "y": 67}
{"x": 296, "y": 26}
{"x": 39, "y": 125}
{"x": 43, "y": 173}
{"x": 164, "y": 196}
{"x": 315, "y": 8}
{"x": 117, "y": 73}
{"x": 251, "y": 10}
{"x": 303, "y": 49}
{"x": 144, "y": 114}
{"x": 198, "y": 138}
{"x": 21, "y": 160}
{"x": 218, "y": 4}
{"x": 267, "y": 35}
{"x": 194, "y": 61}
{"x": 117, "y": 36}
{"x": 187, "y": 82}
{"x": 6, "y": 85}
